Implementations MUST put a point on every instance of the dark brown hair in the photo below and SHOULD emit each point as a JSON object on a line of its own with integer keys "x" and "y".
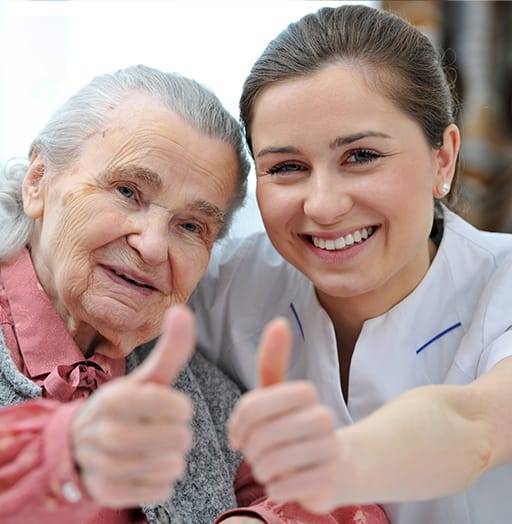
{"x": 394, "y": 57}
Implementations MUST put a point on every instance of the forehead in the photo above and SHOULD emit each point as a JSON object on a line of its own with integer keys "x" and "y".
{"x": 333, "y": 83}
{"x": 140, "y": 131}
{"x": 338, "y": 96}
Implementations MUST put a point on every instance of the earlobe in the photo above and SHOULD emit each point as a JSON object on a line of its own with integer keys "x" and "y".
{"x": 446, "y": 161}
{"x": 32, "y": 189}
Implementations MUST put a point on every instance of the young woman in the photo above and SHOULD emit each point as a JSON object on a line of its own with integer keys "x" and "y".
{"x": 398, "y": 309}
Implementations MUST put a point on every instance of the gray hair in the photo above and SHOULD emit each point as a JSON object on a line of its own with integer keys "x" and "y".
{"x": 85, "y": 113}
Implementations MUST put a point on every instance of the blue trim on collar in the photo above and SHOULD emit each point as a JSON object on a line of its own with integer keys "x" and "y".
{"x": 447, "y": 330}
{"x": 296, "y": 315}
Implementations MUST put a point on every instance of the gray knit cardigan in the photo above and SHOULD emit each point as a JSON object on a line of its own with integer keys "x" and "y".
{"x": 207, "y": 488}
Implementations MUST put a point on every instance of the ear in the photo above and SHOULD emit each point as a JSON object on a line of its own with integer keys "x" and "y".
{"x": 445, "y": 161}
{"x": 33, "y": 187}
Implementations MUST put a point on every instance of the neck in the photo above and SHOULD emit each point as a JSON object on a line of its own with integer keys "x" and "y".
{"x": 348, "y": 314}
{"x": 84, "y": 335}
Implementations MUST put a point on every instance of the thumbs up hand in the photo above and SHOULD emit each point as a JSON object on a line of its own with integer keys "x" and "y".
{"x": 285, "y": 434}
{"x": 130, "y": 438}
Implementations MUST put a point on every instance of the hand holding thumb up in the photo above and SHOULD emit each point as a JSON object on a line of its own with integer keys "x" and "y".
{"x": 131, "y": 437}
{"x": 255, "y": 407}
{"x": 274, "y": 353}
{"x": 286, "y": 435}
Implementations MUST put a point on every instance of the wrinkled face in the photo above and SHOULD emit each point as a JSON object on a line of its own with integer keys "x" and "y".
{"x": 128, "y": 229}
{"x": 345, "y": 184}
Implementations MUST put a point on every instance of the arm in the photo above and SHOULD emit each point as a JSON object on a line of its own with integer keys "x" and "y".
{"x": 432, "y": 441}
{"x": 429, "y": 442}
{"x": 63, "y": 461}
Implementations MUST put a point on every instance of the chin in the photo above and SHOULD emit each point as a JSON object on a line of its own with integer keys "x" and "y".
{"x": 122, "y": 336}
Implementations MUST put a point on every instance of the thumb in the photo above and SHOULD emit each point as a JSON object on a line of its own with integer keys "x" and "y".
{"x": 274, "y": 352}
{"x": 173, "y": 349}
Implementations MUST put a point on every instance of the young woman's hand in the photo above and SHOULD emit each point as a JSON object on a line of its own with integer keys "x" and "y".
{"x": 286, "y": 435}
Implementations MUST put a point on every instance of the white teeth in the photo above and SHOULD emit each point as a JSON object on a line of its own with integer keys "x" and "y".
{"x": 356, "y": 237}
{"x": 340, "y": 243}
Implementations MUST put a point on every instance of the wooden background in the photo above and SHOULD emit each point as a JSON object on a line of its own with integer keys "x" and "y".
{"x": 476, "y": 38}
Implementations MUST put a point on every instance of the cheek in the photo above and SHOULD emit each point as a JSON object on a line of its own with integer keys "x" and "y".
{"x": 187, "y": 268}
{"x": 274, "y": 205}
{"x": 88, "y": 223}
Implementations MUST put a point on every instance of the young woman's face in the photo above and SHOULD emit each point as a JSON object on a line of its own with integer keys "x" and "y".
{"x": 345, "y": 184}
{"x": 128, "y": 230}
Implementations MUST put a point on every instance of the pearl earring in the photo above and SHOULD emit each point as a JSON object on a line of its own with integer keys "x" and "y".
{"x": 444, "y": 189}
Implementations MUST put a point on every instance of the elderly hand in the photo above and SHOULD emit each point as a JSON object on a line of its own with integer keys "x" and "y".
{"x": 285, "y": 434}
{"x": 131, "y": 437}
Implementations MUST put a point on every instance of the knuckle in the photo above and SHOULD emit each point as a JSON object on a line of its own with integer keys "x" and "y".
{"x": 324, "y": 419}
{"x": 255, "y": 442}
{"x": 265, "y": 468}
{"x": 99, "y": 489}
{"x": 303, "y": 392}
{"x": 177, "y": 466}
{"x": 259, "y": 473}
{"x": 163, "y": 491}
{"x": 310, "y": 392}
{"x": 109, "y": 433}
{"x": 186, "y": 439}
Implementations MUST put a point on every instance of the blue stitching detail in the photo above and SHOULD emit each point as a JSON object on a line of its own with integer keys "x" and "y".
{"x": 447, "y": 330}
{"x": 298, "y": 320}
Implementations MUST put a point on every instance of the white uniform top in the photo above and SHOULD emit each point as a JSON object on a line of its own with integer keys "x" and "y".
{"x": 455, "y": 326}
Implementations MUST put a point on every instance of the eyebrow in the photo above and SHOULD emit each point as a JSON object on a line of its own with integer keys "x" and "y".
{"x": 349, "y": 139}
{"x": 210, "y": 210}
{"x": 135, "y": 172}
{"x": 276, "y": 150}
{"x": 337, "y": 142}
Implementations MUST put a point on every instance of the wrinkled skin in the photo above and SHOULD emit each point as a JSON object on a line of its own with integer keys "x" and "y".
{"x": 127, "y": 230}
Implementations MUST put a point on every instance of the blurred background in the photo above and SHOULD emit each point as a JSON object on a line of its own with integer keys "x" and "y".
{"x": 49, "y": 49}
{"x": 476, "y": 39}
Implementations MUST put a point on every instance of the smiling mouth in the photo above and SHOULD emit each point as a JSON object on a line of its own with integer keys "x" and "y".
{"x": 131, "y": 281}
{"x": 344, "y": 242}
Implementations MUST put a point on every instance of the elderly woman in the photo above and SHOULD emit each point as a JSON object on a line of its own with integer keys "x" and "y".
{"x": 108, "y": 227}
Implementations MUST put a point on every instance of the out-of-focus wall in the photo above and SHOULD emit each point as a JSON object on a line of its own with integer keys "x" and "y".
{"x": 476, "y": 37}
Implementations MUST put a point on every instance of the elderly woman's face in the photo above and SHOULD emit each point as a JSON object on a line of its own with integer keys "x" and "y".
{"x": 128, "y": 229}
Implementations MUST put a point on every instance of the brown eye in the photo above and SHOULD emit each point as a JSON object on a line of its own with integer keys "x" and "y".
{"x": 362, "y": 156}
{"x": 288, "y": 168}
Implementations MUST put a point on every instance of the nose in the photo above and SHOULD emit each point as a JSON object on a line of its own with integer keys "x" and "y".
{"x": 327, "y": 198}
{"x": 151, "y": 238}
